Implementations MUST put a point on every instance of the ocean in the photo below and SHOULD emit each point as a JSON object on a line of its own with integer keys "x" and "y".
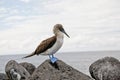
{"x": 78, "y": 60}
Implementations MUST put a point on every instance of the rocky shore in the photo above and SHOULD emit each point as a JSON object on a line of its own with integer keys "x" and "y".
{"x": 107, "y": 68}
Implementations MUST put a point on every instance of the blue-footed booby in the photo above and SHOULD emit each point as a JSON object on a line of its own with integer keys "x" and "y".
{"x": 14, "y": 75}
{"x": 51, "y": 45}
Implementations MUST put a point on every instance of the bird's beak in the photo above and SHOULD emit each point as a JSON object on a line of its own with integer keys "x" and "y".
{"x": 65, "y": 33}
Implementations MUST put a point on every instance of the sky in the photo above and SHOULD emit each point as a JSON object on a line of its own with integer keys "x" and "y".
{"x": 92, "y": 24}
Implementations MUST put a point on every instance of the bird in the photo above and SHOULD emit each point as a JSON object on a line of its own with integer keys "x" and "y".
{"x": 15, "y": 75}
{"x": 51, "y": 45}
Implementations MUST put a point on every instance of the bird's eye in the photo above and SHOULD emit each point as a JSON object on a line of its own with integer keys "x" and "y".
{"x": 61, "y": 29}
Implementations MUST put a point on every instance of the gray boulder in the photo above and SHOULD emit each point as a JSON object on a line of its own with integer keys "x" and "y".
{"x": 107, "y": 68}
{"x": 57, "y": 71}
{"x": 15, "y": 71}
{"x": 28, "y": 66}
{"x": 3, "y": 76}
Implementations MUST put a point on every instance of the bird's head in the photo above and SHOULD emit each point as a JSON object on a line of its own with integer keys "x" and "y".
{"x": 59, "y": 28}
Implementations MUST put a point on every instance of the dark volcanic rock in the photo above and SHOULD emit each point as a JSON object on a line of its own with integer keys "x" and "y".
{"x": 107, "y": 68}
{"x": 57, "y": 71}
{"x": 15, "y": 71}
{"x": 3, "y": 76}
{"x": 28, "y": 66}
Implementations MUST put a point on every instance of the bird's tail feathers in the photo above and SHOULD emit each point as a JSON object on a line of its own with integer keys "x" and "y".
{"x": 32, "y": 54}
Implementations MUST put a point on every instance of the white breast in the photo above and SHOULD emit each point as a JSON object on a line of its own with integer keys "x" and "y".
{"x": 56, "y": 46}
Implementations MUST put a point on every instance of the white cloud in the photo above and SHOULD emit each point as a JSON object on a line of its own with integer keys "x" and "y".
{"x": 26, "y": 1}
{"x": 13, "y": 19}
{"x": 3, "y": 10}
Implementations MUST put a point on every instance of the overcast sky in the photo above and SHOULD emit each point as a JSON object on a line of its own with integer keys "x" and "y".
{"x": 91, "y": 24}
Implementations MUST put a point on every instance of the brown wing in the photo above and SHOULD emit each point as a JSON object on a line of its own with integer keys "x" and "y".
{"x": 46, "y": 44}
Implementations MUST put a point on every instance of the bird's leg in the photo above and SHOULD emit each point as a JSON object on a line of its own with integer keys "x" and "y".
{"x": 52, "y": 58}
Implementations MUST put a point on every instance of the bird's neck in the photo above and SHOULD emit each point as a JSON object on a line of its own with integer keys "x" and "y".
{"x": 59, "y": 35}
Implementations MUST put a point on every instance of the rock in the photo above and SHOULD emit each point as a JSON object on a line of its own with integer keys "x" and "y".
{"x": 3, "y": 76}
{"x": 15, "y": 71}
{"x": 57, "y": 71}
{"x": 107, "y": 68}
{"x": 29, "y": 67}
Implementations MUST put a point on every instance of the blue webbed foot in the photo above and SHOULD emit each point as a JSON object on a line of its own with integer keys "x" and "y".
{"x": 53, "y": 59}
